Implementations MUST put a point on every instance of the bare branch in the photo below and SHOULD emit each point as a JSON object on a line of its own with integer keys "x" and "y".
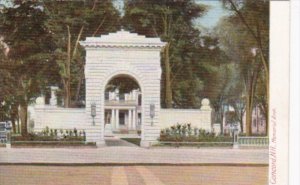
{"x": 77, "y": 42}
{"x": 100, "y": 25}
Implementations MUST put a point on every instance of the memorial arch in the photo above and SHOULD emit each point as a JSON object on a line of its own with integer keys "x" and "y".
{"x": 129, "y": 55}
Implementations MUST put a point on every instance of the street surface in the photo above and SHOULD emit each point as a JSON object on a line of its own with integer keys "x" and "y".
{"x": 133, "y": 175}
{"x": 133, "y": 155}
{"x": 121, "y": 163}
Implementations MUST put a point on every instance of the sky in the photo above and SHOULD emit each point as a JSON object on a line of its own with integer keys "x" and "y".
{"x": 213, "y": 15}
{"x": 208, "y": 21}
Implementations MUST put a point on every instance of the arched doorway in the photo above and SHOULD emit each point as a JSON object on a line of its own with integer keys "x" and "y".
{"x": 122, "y": 106}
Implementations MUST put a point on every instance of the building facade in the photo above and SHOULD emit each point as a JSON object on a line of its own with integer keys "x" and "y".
{"x": 123, "y": 112}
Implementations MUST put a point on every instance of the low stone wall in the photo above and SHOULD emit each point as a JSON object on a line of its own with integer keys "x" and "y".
{"x": 65, "y": 118}
{"x": 59, "y": 118}
{"x": 70, "y": 118}
{"x": 198, "y": 118}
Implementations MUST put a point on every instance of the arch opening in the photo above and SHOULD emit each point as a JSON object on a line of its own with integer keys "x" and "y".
{"x": 123, "y": 106}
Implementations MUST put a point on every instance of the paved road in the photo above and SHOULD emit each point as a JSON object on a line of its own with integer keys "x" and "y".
{"x": 133, "y": 175}
{"x": 133, "y": 155}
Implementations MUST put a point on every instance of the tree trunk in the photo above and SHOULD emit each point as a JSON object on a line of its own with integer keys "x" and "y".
{"x": 222, "y": 122}
{"x": 241, "y": 122}
{"x": 67, "y": 93}
{"x": 168, "y": 86}
{"x": 23, "y": 116}
{"x": 79, "y": 84}
{"x": 18, "y": 125}
{"x": 67, "y": 85}
{"x": 13, "y": 116}
{"x": 248, "y": 116}
{"x": 13, "y": 122}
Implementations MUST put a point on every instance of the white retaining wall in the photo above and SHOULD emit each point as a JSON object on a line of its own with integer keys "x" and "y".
{"x": 70, "y": 118}
{"x": 64, "y": 118}
{"x": 59, "y": 118}
{"x": 197, "y": 118}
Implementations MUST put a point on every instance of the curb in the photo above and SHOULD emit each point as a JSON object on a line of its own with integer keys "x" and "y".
{"x": 136, "y": 164}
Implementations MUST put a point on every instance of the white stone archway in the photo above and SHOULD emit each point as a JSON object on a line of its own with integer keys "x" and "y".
{"x": 138, "y": 78}
{"x": 128, "y": 54}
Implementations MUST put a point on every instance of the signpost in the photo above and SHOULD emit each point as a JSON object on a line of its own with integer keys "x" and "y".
{"x": 5, "y": 135}
{"x": 8, "y": 135}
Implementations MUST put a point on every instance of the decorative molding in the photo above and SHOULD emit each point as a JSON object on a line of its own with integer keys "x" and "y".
{"x": 122, "y": 39}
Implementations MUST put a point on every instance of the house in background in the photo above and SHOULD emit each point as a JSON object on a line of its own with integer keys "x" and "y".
{"x": 123, "y": 111}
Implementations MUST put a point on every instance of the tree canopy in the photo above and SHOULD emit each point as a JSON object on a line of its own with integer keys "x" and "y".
{"x": 27, "y": 63}
{"x": 172, "y": 21}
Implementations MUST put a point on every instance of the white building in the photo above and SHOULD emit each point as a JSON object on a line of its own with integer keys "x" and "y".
{"x": 121, "y": 55}
{"x": 123, "y": 112}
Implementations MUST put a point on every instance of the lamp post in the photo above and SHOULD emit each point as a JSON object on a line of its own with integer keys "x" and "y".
{"x": 93, "y": 112}
{"x": 152, "y": 113}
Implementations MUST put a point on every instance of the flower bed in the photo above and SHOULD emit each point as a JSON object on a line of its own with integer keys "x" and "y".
{"x": 185, "y": 134}
{"x": 51, "y": 144}
{"x": 48, "y": 134}
{"x": 51, "y": 137}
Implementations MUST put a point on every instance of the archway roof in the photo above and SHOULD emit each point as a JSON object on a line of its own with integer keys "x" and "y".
{"x": 122, "y": 39}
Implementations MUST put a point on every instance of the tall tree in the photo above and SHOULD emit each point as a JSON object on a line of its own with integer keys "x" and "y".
{"x": 69, "y": 22}
{"x": 8, "y": 94}
{"x": 170, "y": 20}
{"x": 252, "y": 18}
{"x": 24, "y": 31}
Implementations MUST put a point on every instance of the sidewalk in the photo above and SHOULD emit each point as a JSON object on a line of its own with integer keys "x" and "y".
{"x": 126, "y": 155}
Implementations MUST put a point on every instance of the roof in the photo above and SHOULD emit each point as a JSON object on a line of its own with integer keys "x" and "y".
{"x": 122, "y": 39}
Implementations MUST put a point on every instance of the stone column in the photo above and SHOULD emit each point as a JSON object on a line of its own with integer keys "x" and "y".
{"x": 117, "y": 119}
{"x": 53, "y": 99}
{"x": 133, "y": 119}
{"x": 113, "y": 116}
{"x": 129, "y": 119}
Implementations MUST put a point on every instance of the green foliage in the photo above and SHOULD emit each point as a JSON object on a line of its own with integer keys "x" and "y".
{"x": 219, "y": 66}
{"x": 27, "y": 66}
{"x": 77, "y": 20}
{"x": 124, "y": 84}
{"x": 244, "y": 37}
{"x": 24, "y": 31}
{"x": 48, "y": 134}
{"x": 187, "y": 133}
{"x": 172, "y": 21}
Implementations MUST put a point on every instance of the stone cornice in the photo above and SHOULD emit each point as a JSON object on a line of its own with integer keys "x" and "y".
{"x": 122, "y": 39}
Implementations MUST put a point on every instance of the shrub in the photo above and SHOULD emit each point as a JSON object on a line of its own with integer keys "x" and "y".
{"x": 55, "y": 132}
{"x": 51, "y": 132}
{"x": 45, "y": 131}
{"x": 187, "y": 133}
{"x": 75, "y": 132}
{"x": 48, "y": 134}
{"x": 61, "y": 131}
